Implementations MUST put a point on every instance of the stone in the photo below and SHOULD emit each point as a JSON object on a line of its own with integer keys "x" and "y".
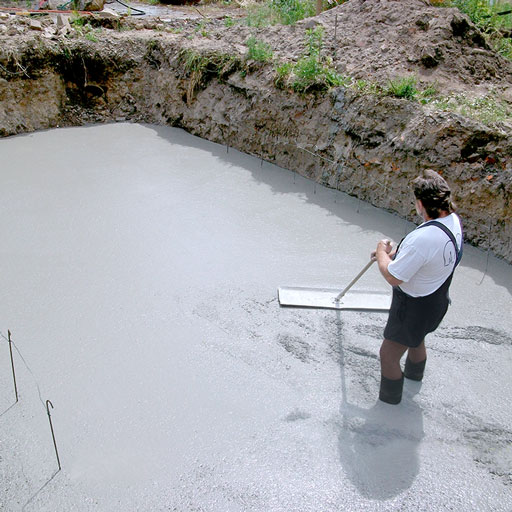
{"x": 36, "y": 25}
{"x": 63, "y": 21}
{"x": 107, "y": 13}
{"x": 49, "y": 33}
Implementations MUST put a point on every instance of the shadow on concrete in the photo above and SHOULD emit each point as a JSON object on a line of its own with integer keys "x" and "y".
{"x": 346, "y": 208}
{"x": 378, "y": 447}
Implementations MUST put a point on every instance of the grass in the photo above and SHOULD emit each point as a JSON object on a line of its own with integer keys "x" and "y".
{"x": 202, "y": 67}
{"x": 229, "y": 22}
{"x": 284, "y": 12}
{"x": 201, "y": 28}
{"x": 259, "y": 50}
{"x": 84, "y": 28}
{"x": 403, "y": 87}
{"x": 313, "y": 72}
{"x": 487, "y": 109}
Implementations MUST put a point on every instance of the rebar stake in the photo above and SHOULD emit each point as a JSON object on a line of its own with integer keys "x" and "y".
{"x": 12, "y": 365}
{"x": 53, "y": 434}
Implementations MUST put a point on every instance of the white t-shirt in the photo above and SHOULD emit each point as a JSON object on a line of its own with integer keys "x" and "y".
{"x": 427, "y": 257}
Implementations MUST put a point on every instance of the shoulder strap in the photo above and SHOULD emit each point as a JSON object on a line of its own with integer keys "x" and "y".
{"x": 450, "y": 235}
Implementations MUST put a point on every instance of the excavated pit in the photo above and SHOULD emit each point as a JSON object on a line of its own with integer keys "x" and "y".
{"x": 142, "y": 302}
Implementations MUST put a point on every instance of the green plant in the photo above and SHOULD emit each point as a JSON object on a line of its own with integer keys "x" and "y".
{"x": 367, "y": 87}
{"x": 203, "y": 67}
{"x": 285, "y": 12}
{"x": 312, "y": 71}
{"x": 404, "y": 87}
{"x": 76, "y": 20}
{"x": 229, "y": 22}
{"x": 428, "y": 95}
{"x": 258, "y": 50}
{"x": 91, "y": 36}
{"x": 259, "y": 15}
{"x": 290, "y": 11}
{"x": 487, "y": 109}
{"x": 283, "y": 72}
{"x": 201, "y": 28}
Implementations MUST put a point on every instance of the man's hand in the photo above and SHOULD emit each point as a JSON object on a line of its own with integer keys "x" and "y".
{"x": 383, "y": 246}
{"x": 384, "y": 254}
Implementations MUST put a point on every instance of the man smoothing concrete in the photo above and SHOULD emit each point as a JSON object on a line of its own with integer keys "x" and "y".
{"x": 420, "y": 271}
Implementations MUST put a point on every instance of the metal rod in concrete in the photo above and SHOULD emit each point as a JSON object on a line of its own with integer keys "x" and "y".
{"x": 12, "y": 365}
{"x": 53, "y": 433}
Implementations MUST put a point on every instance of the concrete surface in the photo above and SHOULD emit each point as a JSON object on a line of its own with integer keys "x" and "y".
{"x": 139, "y": 269}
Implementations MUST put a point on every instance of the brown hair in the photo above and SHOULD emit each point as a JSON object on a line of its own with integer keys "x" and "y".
{"x": 433, "y": 192}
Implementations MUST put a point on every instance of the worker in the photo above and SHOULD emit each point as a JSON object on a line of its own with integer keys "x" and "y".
{"x": 420, "y": 271}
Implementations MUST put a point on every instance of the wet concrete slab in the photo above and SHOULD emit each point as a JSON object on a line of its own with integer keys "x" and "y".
{"x": 140, "y": 267}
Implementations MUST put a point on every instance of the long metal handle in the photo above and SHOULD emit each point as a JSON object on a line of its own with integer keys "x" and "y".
{"x": 366, "y": 267}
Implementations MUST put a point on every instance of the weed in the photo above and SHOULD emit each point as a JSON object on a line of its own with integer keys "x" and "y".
{"x": 229, "y": 22}
{"x": 203, "y": 67}
{"x": 313, "y": 72}
{"x": 91, "y": 36}
{"x": 487, "y": 109}
{"x": 76, "y": 20}
{"x": 285, "y": 12}
{"x": 258, "y": 50}
{"x": 283, "y": 72}
{"x": 366, "y": 87}
{"x": 201, "y": 28}
{"x": 290, "y": 11}
{"x": 260, "y": 15}
{"x": 404, "y": 87}
{"x": 428, "y": 95}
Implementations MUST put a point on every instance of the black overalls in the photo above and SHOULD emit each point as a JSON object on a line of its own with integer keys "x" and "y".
{"x": 412, "y": 318}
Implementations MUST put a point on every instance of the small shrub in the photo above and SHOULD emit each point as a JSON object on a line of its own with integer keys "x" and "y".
{"x": 283, "y": 72}
{"x": 285, "y": 12}
{"x": 402, "y": 87}
{"x": 229, "y": 22}
{"x": 290, "y": 11}
{"x": 428, "y": 94}
{"x": 312, "y": 71}
{"x": 201, "y": 28}
{"x": 259, "y": 15}
{"x": 258, "y": 50}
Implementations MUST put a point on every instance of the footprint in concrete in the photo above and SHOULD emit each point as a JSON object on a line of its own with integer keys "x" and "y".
{"x": 493, "y": 449}
{"x": 296, "y": 346}
{"x": 297, "y": 415}
{"x": 478, "y": 334}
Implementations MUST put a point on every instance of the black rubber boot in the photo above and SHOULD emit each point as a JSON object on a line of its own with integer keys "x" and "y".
{"x": 391, "y": 390}
{"x": 414, "y": 371}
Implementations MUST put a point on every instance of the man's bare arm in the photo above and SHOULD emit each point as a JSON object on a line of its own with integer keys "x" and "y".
{"x": 384, "y": 254}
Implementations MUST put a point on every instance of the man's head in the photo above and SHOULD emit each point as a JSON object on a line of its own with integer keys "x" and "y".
{"x": 434, "y": 193}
